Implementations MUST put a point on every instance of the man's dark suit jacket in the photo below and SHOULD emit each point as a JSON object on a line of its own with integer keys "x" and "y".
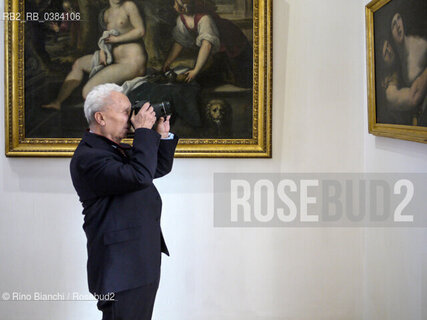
{"x": 122, "y": 207}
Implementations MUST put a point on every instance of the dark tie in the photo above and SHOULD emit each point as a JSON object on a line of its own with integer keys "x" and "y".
{"x": 123, "y": 152}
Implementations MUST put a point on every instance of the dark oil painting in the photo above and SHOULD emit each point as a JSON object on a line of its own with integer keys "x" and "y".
{"x": 196, "y": 54}
{"x": 400, "y": 30}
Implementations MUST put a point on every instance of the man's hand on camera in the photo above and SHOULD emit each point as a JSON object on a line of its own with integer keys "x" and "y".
{"x": 163, "y": 127}
{"x": 145, "y": 118}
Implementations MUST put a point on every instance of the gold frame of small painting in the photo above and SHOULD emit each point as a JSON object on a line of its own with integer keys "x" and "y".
{"x": 389, "y": 116}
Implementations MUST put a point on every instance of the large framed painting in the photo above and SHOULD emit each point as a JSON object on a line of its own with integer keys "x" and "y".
{"x": 397, "y": 68}
{"x": 210, "y": 59}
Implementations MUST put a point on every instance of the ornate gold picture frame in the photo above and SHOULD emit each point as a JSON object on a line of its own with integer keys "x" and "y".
{"x": 41, "y": 46}
{"x": 396, "y": 33}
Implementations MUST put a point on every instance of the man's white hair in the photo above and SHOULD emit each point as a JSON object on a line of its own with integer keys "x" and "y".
{"x": 97, "y": 99}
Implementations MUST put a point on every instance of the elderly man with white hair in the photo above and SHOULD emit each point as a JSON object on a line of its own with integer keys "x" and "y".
{"x": 121, "y": 205}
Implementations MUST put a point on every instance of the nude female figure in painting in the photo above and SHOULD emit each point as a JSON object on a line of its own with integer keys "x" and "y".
{"x": 129, "y": 58}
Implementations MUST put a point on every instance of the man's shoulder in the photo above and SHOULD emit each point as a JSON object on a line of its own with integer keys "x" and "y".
{"x": 87, "y": 151}
{"x": 80, "y": 151}
{"x": 83, "y": 146}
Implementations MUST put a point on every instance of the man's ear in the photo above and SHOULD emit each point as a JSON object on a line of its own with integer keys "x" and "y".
{"x": 99, "y": 118}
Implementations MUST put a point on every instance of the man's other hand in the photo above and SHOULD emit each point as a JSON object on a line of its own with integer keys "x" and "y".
{"x": 163, "y": 126}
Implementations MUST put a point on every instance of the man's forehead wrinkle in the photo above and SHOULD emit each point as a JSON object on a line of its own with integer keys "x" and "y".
{"x": 116, "y": 101}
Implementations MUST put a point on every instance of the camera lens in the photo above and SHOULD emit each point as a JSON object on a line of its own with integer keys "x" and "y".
{"x": 162, "y": 109}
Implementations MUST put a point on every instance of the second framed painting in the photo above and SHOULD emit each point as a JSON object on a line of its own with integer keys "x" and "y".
{"x": 211, "y": 59}
{"x": 397, "y": 68}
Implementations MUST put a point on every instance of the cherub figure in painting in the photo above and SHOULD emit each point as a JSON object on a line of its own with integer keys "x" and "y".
{"x": 405, "y": 81}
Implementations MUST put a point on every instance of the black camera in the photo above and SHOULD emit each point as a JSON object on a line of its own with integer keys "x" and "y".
{"x": 162, "y": 109}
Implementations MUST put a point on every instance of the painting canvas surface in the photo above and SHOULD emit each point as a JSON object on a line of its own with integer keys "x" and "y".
{"x": 400, "y": 30}
{"x": 217, "y": 104}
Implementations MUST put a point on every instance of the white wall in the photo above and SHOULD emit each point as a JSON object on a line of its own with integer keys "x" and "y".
{"x": 318, "y": 126}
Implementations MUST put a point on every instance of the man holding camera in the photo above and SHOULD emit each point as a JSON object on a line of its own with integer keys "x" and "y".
{"x": 121, "y": 205}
